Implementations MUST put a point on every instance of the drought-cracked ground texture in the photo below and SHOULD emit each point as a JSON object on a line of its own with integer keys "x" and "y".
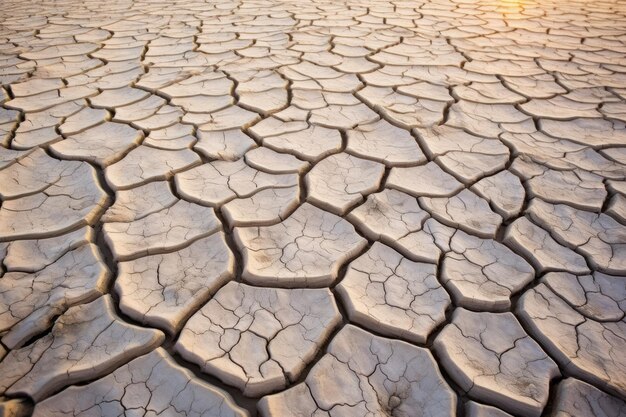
{"x": 313, "y": 208}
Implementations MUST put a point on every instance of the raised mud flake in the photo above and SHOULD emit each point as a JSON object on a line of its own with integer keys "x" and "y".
{"x": 328, "y": 78}
{"x": 493, "y": 359}
{"x": 504, "y": 67}
{"x": 305, "y": 99}
{"x": 113, "y": 54}
{"x": 264, "y": 101}
{"x": 31, "y": 173}
{"x": 483, "y": 274}
{"x": 392, "y": 295}
{"x": 207, "y": 83}
{"x": 8, "y": 127}
{"x": 140, "y": 110}
{"x": 103, "y": 144}
{"x": 259, "y": 339}
{"x": 617, "y": 186}
{"x": 356, "y": 65}
{"x": 563, "y": 154}
{"x": 30, "y": 301}
{"x": 161, "y": 76}
{"x": 49, "y": 99}
{"x": 114, "y": 74}
{"x": 86, "y": 342}
{"x": 163, "y": 118}
{"x": 341, "y": 181}
{"x": 396, "y": 219}
{"x": 136, "y": 203}
{"x": 163, "y": 290}
{"x": 307, "y": 249}
{"x": 153, "y": 383}
{"x": 597, "y": 236}
{"x": 55, "y": 51}
{"x": 543, "y": 252}
{"x": 118, "y": 97}
{"x": 474, "y": 409}
{"x": 591, "y": 132}
{"x": 343, "y": 117}
{"x": 233, "y": 117}
{"x": 74, "y": 199}
{"x": 487, "y": 93}
{"x": 25, "y": 138}
{"x": 489, "y": 119}
{"x": 83, "y": 120}
{"x": 311, "y": 144}
{"x": 403, "y": 110}
{"x": 145, "y": 163}
{"x": 587, "y": 349}
{"x": 616, "y": 153}
{"x": 424, "y": 180}
{"x": 576, "y": 188}
{"x": 175, "y": 137}
{"x": 226, "y": 145}
{"x": 263, "y": 91}
{"x": 614, "y": 110}
{"x": 41, "y": 128}
{"x": 417, "y": 51}
{"x": 264, "y": 208}
{"x": 34, "y": 86}
{"x": 267, "y": 160}
{"x": 10, "y": 156}
{"x": 467, "y": 157}
{"x": 389, "y": 216}
{"x": 363, "y": 374}
{"x": 386, "y": 143}
{"x": 202, "y": 104}
{"x": 168, "y": 229}
{"x": 423, "y": 89}
{"x": 219, "y": 182}
{"x": 577, "y": 398}
{"x": 599, "y": 296}
{"x": 35, "y": 254}
{"x": 534, "y": 86}
{"x": 617, "y": 208}
{"x": 465, "y": 211}
{"x": 504, "y": 191}
{"x": 560, "y": 107}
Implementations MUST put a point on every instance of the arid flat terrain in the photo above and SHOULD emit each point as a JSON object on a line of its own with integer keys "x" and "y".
{"x": 313, "y": 208}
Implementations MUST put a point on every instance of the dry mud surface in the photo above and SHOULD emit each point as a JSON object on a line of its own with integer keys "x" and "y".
{"x": 313, "y": 208}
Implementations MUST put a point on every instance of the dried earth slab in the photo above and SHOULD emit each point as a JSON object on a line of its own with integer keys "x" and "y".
{"x": 30, "y": 301}
{"x": 153, "y": 383}
{"x": 577, "y": 398}
{"x": 465, "y": 211}
{"x": 168, "y": 229}
{"x": 363, "y": 374}
{"x": 493, "y": 359}
{"x": 46, "y": 197}
{"x": 164, "y": 290}
{"x": 588, "y": 348}
{"x": 305, "y": 250}
{"x": 219, "y": 182}
{"x": 258, "y": 339}
{"x": 392, "y": 295}
{"x": 86, "y": 342}
{"x": 341, "y": 181}
{"x": 542, "y": 251}
{"x": 483, "y": 274}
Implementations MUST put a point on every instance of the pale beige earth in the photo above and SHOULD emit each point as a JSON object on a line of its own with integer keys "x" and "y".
{"x": 313, "y": 208}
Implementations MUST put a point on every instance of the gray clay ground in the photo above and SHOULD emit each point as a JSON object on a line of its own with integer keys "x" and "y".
{"x": 313, "y": 208}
